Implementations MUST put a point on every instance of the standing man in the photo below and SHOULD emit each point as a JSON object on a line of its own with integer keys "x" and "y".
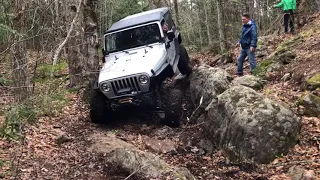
{"x": 248, "y": 43}
{"x": 289, "y": 7}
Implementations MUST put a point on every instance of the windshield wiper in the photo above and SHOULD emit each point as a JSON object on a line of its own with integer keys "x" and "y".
{"x": 125, "y": 51}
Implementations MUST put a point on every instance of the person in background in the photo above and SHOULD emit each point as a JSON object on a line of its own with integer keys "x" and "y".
{"x": 248, "y": 42}
{"x": 289, "y": 7}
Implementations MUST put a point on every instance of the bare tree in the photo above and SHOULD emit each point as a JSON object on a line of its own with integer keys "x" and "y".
{"x": 222, "y": 37}
{"x": 207, "y": 6}
{"x": 58, "y": 50}
{"x": 20, "y": 73}
{"x": 176, "y": 10}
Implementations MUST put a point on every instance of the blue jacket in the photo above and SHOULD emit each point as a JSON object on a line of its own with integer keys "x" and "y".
{"x": 249, "y": 35}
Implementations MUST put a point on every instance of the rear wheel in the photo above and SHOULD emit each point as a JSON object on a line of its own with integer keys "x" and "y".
{"x": 184, "y": 61}
{"x": 99, "y": 111}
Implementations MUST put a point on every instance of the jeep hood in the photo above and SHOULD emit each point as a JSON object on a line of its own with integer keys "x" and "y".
{"x": 139, "y": 60}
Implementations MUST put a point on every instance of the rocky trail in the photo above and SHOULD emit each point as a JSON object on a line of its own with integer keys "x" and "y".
{"x": 71, "y": 147}
{"x": 281, "y": 98}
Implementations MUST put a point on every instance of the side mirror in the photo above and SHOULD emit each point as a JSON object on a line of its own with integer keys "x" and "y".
{"x": 170, "y": 35}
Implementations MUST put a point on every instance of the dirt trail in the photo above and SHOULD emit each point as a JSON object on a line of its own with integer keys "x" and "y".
{"x": 59, "y": 148}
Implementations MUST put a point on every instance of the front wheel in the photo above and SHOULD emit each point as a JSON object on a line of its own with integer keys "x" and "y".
{"x": 99, "y": 111}
{"x": 172, "y": 107}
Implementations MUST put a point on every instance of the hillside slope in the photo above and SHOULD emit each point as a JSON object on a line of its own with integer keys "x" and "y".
{"x": 290, "y": 66}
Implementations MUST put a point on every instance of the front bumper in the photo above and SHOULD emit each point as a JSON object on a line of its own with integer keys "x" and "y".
{"x": 139, "y": 100}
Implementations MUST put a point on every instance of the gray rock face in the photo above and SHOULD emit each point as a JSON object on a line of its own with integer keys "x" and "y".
{"x": 208, "y": 82}
{"x": 128, "y": 157}
{"x": 146, "y": 165}
{"x": 207, "y": 145}
{"x": 312, "y": 105}
{"x": 249, "y": 81}
{"x": 164, "y": 132}
{"x": 250, "y": 127}
{"x": 159, "y": 146}
{"x": 298, "y": 173}
{"x": 274, "y": 67}
{"x": 104, "y": 143}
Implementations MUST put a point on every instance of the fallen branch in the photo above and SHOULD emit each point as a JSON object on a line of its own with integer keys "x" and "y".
{"x": 200, "y": 103}
{"x": 58, "y": 50}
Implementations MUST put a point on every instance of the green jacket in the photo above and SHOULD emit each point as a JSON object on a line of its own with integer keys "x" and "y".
{"x": 288, "y": 5}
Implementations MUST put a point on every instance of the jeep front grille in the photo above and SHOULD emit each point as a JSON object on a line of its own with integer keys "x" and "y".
{"x": 126, "y": 83}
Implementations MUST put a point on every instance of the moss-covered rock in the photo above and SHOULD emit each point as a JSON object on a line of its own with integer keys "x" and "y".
{"x": 314, "y": 81}
{"x": 253, "y": 82}
{"x": 249, "y": 127}
{"x": 286, "y": 57}
{"x": 262, "y": 67}
{"x": 281, "y": 56}
{"x": 289, "y": 44}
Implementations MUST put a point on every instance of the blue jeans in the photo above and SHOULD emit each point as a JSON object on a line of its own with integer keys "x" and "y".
{"x": 252, "y": 60}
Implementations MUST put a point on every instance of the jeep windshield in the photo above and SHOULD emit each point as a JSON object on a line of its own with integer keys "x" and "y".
{"x": 132, "y": 38}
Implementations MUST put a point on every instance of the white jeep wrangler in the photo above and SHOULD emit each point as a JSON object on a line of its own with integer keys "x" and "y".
{"x": 140, "y": 52}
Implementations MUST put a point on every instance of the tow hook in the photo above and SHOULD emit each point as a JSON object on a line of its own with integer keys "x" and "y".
{"x": 125, "y": 101}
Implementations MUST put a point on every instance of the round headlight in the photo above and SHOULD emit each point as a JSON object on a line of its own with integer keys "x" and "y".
{"x": 143, "y": 79}
{"x": 105, "y": 87}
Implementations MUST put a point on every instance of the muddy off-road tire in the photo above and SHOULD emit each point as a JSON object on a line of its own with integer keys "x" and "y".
{"x": 172, "y": 107}
{"x": 99, "y": 112}
{"x": 184, "y": 62}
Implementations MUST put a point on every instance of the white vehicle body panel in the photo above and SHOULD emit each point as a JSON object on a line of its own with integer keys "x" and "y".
{"x": 134, "y": 61}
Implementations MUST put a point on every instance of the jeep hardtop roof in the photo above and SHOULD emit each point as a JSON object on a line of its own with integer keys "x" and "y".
{"x": 139, "y": 18}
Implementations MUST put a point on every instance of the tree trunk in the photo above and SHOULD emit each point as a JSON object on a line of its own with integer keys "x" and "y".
{"x": 222, "y": 38}
{"x": 199, "y": 27}
{"x": 318, "y": 4}
{"x": 176, "y": 10}
{"x": 158, "y": 3}
{"x": 76, "y": 56}
{"x": 207, "y": 11}
{"x": 91, "y": 41}
{"x": 20, "y": 74}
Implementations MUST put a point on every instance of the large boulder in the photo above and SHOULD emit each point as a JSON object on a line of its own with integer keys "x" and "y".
{"x": 208, "y": 82}
{"x": 251, "y": 81}
{"x": 146, "y": 165}
{"x": 143, "y": 165}
{"x": 250, "y": 127}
